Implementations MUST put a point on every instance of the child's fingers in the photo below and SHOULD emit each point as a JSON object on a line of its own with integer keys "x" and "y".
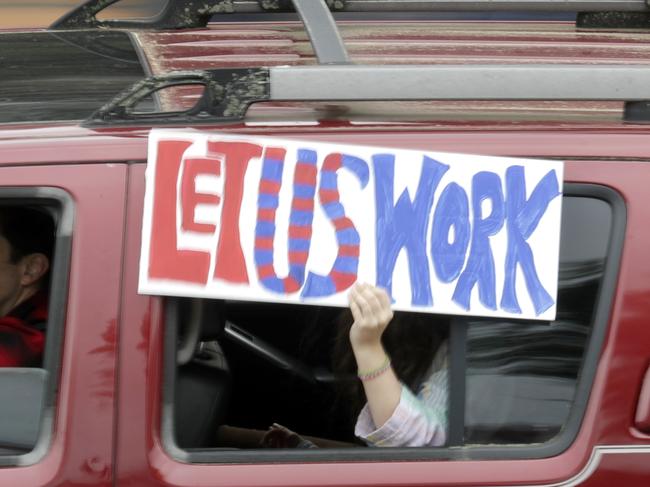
{"x": 365, "y": 295}
{"x": 356, "y": 311}
{"x": 355, "y": 298}
{"x": 373, "y": 303}
{"x": 277, "y": 436}
{"x": 386, "y": 313}
{"x": 361, "y": 301}
{"x": 370, "y": 305}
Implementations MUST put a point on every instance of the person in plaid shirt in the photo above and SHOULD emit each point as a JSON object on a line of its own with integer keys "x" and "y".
{"x": 26, "y": 242}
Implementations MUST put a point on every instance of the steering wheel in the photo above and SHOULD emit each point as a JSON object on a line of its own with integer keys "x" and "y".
{"x": 278, "y": 358}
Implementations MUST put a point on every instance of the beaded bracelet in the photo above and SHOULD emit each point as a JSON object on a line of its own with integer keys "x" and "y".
{"x": 372, "y": 374}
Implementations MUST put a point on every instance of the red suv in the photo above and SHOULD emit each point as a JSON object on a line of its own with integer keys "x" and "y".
{"x": 136, "y": 389}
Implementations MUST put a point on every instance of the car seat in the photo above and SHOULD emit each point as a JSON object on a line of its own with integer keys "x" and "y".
{"x": 203, "y": 381}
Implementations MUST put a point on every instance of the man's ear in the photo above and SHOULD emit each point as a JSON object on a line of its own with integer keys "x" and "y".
{"x": 35, "y": 266}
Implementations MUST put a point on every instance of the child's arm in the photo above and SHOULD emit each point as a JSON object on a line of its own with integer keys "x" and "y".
{"x": 372, "y": 313}
{"x": 393, "y": 416}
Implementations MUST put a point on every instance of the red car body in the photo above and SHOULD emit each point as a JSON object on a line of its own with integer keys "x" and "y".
{"x": 108, "y": 415}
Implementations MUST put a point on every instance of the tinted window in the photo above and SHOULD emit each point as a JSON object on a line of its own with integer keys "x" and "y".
{"x": 521, "y": 376}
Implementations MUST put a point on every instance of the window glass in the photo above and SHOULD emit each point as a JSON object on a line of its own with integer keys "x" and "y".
{"x": 521, "y": 376}
{"x": 27, "y": 241}
{"x": 241, "y": 367}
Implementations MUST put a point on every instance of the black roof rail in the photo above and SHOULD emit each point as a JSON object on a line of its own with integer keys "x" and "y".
{"x": 226, "y": 97}
{"x": 176, "y": 14}
{"x": 185, "y": 14}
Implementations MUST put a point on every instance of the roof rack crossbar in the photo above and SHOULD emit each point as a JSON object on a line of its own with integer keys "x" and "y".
{"x": 229, "y": 92}
{"x": 322, "y": 31}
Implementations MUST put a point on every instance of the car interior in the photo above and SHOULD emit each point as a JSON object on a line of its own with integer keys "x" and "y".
{"x": 252, "y": 364}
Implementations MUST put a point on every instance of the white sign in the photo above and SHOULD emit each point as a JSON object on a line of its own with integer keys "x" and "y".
{"x": 266, "y": 219}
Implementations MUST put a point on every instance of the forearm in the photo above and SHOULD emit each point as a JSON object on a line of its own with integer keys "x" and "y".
{"x": 413, "y": 423}
{"x": 235, "y": 437}
{"x": 383, "y": 391}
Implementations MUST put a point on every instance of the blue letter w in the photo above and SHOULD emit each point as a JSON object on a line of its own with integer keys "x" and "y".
{"x": 404, "y": 225}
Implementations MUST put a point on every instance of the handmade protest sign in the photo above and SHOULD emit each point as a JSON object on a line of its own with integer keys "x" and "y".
{"x": 266, "y": 219}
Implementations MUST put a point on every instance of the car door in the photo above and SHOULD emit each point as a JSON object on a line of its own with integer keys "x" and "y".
{"x": 60, "y": 416}
{"x": 542, "y": 404}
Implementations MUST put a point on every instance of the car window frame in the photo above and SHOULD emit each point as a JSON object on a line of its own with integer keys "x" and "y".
{"x": 63, "y": 203}
{"x": 451, "y": 451}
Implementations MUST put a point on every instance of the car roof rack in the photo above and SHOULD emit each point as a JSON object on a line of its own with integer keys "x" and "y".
{"x": 229, "y": 92}
{"x": 185, "y": 14}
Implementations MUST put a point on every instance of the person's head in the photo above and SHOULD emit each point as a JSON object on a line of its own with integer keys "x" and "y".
{"x": 26, "y": 243}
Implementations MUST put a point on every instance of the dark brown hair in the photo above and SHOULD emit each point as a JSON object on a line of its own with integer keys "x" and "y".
{"x": 28, "y": 231}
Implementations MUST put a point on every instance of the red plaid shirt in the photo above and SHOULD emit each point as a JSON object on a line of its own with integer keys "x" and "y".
{"x": 22, "y": 333}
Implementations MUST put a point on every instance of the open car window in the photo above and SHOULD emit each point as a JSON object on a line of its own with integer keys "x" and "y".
{"x": 515, "y": 387}
{"x": 33, "y": 222}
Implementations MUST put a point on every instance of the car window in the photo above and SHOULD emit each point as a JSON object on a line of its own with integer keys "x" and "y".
{"x": 32, "y": 289}
{"x": 521, "y": 376}
{"x": 505, "y": 382}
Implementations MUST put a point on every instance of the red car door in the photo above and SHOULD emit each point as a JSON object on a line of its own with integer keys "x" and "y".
{"x": 77, "y": 409}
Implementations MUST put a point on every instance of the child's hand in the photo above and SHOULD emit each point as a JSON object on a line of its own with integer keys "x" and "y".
{"x": 278, "y": 436}
{"x": 371, "y": 309}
